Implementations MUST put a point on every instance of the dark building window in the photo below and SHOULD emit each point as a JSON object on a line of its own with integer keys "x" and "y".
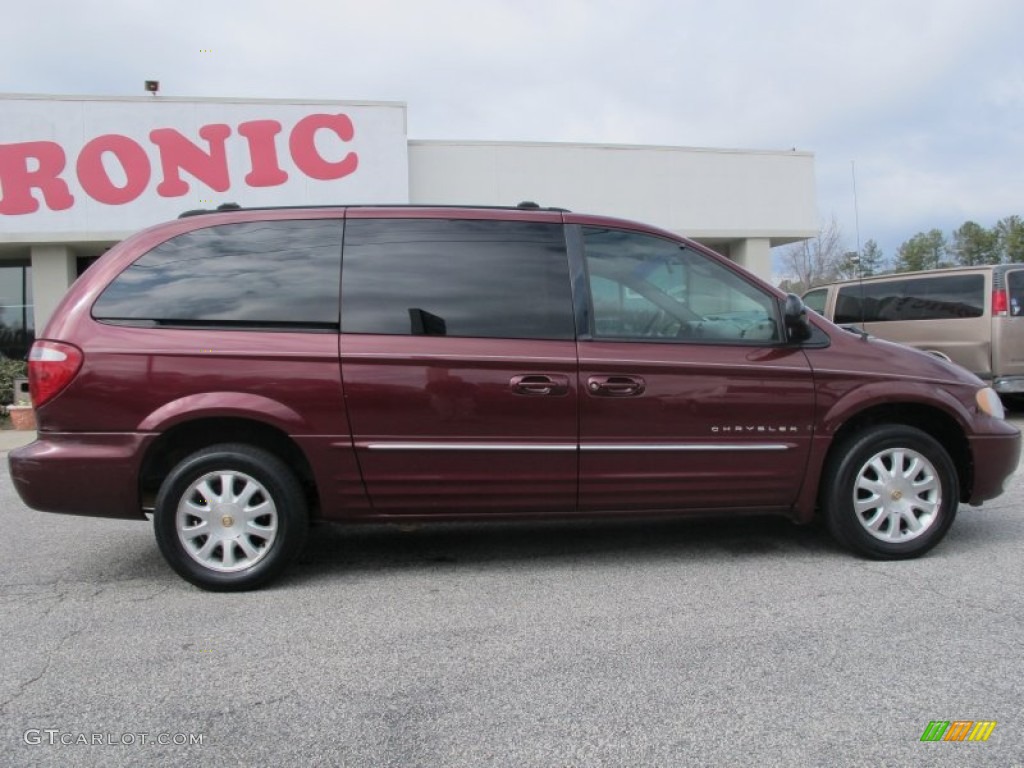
{"x": 17, "y": 326}
{"x": 82, "y": 263}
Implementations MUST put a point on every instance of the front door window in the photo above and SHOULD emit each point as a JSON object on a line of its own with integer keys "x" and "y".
{"x": 646, "y": 288}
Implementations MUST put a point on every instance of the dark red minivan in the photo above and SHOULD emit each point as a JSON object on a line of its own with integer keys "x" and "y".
{"x": 239, "y": 374}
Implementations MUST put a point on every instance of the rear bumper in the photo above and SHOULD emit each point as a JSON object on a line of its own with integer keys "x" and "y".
{"x": 995, "y": 459}
{"x": 81, "y": 473}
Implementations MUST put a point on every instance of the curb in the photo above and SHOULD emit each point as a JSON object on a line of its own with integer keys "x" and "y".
{"x": 15, "y": 438}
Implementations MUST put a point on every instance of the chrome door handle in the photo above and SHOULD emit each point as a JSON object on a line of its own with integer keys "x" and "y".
{"x": 539, "y": 384}
{"x": 616, "y": 386}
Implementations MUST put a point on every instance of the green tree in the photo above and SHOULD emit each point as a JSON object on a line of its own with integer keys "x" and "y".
{"x": 848, "y": 266}
{"x": 869, "y": 261}
{"x": 872, "y": 260}
{"x": 1010, "y": 232}
{"x": 925, "y": 250}
{"x": 973, "y": 244}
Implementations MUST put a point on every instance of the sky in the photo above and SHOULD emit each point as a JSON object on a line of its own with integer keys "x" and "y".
{"x": 925, "y": 100}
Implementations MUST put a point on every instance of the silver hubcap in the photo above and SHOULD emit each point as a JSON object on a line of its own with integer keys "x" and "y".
{"x": 227, "y": 521}
{"x": 897, "y": 495}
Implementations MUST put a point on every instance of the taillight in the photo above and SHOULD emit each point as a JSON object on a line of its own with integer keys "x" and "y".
{"x": 1000, "y": 306}
{"x": 51, "y": 367}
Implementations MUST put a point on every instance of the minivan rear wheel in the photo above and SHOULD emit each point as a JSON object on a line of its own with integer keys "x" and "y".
{"x": 230, "y": 517}
{"x": 890, "y": 492}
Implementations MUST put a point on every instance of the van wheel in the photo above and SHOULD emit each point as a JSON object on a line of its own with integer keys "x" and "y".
{"x": 230, "y": 517}
{"x": 890, "y": 492}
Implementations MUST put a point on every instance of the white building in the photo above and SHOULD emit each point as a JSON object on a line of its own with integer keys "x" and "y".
{"x": 77, "y": 174}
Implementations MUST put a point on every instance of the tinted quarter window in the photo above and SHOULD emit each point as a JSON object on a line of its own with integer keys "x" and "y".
{"x": 647, "y": 288}
{"x": 871, "y": 302}
{"x": 268, "y": 273}
{"x": 470, "y": 278}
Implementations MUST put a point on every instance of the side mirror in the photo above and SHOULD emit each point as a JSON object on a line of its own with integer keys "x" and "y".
{"x": 794, "y": 316}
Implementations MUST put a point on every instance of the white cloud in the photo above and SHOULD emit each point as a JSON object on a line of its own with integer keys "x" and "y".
{"x": 926, "y": 96}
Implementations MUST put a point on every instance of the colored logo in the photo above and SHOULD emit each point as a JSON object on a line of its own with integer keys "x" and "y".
{"x": 958, "y": 730}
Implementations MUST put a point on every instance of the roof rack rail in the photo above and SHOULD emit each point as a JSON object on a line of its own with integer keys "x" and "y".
{"x": 529, "y": 205}
{"x": 526, "y": 205}
{"x": 220, "y": 208}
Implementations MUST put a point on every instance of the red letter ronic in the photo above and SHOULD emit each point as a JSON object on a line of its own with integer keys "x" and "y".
{"x": 263, "y": 153}
{"x": 94, "y": 177}
{"x": 304, "y": 152}
{"x": 17, "y": 181}
{"x": 179, "y": 154}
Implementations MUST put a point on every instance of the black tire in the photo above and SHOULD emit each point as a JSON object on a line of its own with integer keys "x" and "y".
{"x": 249, "y": 543}
{"x": 891, "y": 513}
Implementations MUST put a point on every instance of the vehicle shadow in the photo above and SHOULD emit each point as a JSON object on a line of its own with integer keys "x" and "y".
{"x": 336, "y": 549}
{"x": 341, "y": 551}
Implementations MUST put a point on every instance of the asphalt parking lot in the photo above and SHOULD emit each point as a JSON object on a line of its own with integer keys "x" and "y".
{"x": 627, "y": 643}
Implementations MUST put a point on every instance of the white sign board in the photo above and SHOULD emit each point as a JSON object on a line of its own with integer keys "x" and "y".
{"x": 84, "y": 168}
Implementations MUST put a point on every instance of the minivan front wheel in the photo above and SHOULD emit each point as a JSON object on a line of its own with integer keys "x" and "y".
{"x": 890, "y": 492}
{"x": 230, "y": 517}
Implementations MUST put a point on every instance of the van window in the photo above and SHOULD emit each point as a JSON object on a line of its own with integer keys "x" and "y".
{"x": 647, "y": 288}
{"x": 267, "y": 273}
{"x": 1015, "y": 287}
{"x": 431, "y": 277}
{"x": 816, "y": 300}
{"x": 949, "y": 297}
{"x": 945, "y": 297}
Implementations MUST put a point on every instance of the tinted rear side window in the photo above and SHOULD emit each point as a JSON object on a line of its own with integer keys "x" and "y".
{"x": 868, "y": 302}
{"x": 431, "y": 277}
{"x": 946, "y": 297}
{"x": 269, "y": 273}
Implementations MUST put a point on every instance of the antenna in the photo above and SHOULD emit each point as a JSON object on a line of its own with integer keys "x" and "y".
{"x": 856, "y": 224}
{"x": 856, "y": 212}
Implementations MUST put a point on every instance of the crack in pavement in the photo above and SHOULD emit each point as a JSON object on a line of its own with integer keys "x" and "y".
{"x": 23, "y": 687}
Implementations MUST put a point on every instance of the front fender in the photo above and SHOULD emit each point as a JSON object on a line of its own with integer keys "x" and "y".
{"x": 892, "y": 392}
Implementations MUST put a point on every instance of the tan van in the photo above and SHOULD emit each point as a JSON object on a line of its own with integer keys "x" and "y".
{"x": 973, "y": 316}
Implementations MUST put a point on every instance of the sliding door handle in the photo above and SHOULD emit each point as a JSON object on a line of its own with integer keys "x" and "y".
{"x": 539, "y": 384}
